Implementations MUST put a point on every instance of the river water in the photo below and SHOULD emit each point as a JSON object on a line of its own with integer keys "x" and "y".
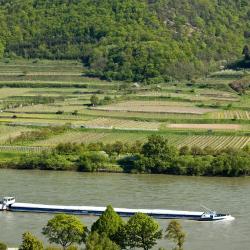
{"x": 132, "y": 191}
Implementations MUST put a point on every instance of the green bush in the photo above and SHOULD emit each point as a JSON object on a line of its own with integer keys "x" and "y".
{"x": 3, "y": 246}
{"x": 92, "y": 161}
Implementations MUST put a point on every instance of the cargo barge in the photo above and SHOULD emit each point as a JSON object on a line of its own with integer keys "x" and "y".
{"x": 10, "y": 204}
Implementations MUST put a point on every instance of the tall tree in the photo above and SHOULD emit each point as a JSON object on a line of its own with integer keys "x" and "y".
{"x": 109, "y": 223}
{"x": 158, "y": 147}
{"x": 65, "y": 230}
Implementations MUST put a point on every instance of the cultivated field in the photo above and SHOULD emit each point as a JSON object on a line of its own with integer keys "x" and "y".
{"x": 154, "y": 107}
{"x": 37, "y": 93}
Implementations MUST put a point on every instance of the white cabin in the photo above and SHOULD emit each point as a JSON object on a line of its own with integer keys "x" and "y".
{"x": 6, "y": 201}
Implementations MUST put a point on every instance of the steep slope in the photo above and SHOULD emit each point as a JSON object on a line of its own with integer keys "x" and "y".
{"x": 132, "y": 40}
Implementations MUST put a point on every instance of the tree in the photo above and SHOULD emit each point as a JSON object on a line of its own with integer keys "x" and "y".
{"x": 158, "y": 147}
{"x": 65, "y": 230}
{"x": 246, "y": 52}
{"x": 109, "y": 223}
{"x": 94, "y": 100}
{"x": 142, "y": 231}
{"x": 175, "y": 233}
{"x": 96, "y": 241}
{"x": 184, "y": 150}
{"x": 118, "y": 147}
{"x": 30, "y": 242}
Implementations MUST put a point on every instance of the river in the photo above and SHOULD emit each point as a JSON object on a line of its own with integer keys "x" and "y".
{"x": 133, "y": 191}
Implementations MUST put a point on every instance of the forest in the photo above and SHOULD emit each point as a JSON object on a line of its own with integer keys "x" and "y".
{"x": 134, "y": 40}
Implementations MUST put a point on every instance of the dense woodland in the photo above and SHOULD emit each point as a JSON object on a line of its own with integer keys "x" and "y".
{"x": 135, "y": 40}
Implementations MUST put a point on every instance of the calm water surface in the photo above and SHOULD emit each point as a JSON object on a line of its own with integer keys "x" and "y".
{"x": 133, "y": 191}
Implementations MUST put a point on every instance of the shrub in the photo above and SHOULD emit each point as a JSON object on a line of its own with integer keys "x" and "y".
{"x": 91, "y": 161}
{"x": 3, "y": 246}
{"x": 30, "y": 242}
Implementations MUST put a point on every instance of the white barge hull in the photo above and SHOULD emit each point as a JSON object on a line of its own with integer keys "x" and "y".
{"x": 124, "y": 212}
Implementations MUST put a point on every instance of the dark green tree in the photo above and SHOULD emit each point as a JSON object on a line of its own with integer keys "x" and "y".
{"x": 109, "y": 223}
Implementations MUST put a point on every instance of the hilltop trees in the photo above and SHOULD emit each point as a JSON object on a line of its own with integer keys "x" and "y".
{"x": 142, "y": 41}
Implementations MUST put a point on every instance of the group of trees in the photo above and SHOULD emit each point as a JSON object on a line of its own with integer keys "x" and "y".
{"x": 109, "y": 232}
{"x": 155, "y": 156}
{"x": 94, "y": 100}
{"x": 146, "y": 41}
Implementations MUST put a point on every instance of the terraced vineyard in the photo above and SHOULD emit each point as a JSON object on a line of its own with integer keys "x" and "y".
{"x": 232, "y": 114}
{"x": 184, "y": 112}
{"x": 121, "y": 124}
{"x": 154, "y": 107}
{"x": 216, "y": 142}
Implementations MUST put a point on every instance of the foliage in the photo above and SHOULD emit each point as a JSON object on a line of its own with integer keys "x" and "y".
{"x": 94, "y": 100}
{"x": 44, "y": 161}
{"x": 97, "y": 241}
{"x": 109, "y": 223}
{"x": 65, "y": 230}
{"x": 160, "y": 158}
{"x": 146, "y": 41}
{"x": 175, "y": 233}
{"x": 141, "y": 231}
{"x": 52, "y": 248}
{"x": 30, "y": 242}
{"x": 92, "y": 161}
{"x": 3, "y": 246}
{"x": 158, "y": 147}
{"x": 40, "y": 134}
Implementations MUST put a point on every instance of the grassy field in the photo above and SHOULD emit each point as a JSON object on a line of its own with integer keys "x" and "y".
{"x": 37, "y": 93}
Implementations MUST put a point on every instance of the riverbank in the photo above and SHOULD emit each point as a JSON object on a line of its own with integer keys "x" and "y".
{"x": 155, "y": 156}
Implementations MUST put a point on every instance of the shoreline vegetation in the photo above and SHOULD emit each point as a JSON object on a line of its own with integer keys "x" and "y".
{"x": 155, "y": 156}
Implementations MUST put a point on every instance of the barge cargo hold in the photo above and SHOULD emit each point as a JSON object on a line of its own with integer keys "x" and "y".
{"x": 9, "y": 204}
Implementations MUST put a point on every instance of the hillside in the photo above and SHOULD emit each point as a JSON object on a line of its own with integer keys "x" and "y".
{"x": 131, "y": 40}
